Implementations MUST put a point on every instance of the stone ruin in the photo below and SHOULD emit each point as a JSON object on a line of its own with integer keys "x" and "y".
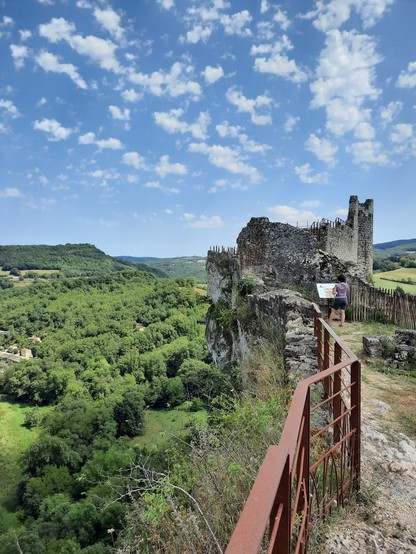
{"x": 400, "y": 348}
{"x": 283, "y": 264}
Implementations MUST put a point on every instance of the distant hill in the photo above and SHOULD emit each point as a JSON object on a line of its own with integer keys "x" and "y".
{"x": 395, "y": 247}
{"x": 69, "y": 259}
{"x": 185, "y": 266}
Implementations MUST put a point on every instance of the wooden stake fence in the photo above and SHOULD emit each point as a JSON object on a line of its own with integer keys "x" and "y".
{"x": 369, "y": 303}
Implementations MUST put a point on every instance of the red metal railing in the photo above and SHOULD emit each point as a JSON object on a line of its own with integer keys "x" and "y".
{"x": 316, "y": 465}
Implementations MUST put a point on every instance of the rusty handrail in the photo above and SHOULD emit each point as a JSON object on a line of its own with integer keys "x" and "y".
{"x": 293, "y": 490}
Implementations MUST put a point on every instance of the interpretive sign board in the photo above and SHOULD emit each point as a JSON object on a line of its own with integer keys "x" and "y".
{"x": 325, "y": 290}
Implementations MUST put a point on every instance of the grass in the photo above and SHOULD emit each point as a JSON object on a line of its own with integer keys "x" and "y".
{"x": 14, "y": 440}
{"x": 161, "y": 425}
{"x": 390, "y": 280}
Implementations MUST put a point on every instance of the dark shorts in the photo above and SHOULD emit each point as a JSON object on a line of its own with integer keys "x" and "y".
{"x": 339, "y": 304}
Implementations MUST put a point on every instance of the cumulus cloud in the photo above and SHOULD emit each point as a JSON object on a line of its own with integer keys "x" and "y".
{"x": 323, "y": 149}
{"x": 273, "y": 59}
{"x": 236, "y": 24}
{"x": 10, "y": 108}
{"x": 171, "y": 122}
{"x": 288, "y": 214}
{"x": 52, "y": 128}
{"x": 391, "y": 111}
{"x": 130, "y": 95}
{"x": 203, "y": 221}
{"x": 50, "y": 63}
{"x": 157, "y": 185}
{"x": 401, "y": 132}
{"x": 198, "y": 33}
{"x": 164, "y": 167}
{"x": 213, "y": 74}
{"x": 345, "y": 79}
{"x": 11, "y": 192}
{"x": 109, "y": 144}
{"x": 407, "y": 79}
{"x": 173, "y": 83}
{"x": 226, "y": 158}
{"x": 305, "y": 174}
{"x": 251, "y": 105}
{"x": 19, "y": 54}
{"x": 166, "y": 4}
{"x": 110, "y": 21}
{"x": 134, "y": 159}
{"x": 333, "y": 14}
{"x": 120, "y": 114}
{"x": 96, "y": 49}
{"x": 367, "y": 152}
{"x": 291, "y": 123}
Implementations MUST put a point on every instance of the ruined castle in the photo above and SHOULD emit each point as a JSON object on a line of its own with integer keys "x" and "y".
{"x": 278, "y": 259}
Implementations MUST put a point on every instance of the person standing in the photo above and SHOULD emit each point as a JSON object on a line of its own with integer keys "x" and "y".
{"x": 340, "y": 292}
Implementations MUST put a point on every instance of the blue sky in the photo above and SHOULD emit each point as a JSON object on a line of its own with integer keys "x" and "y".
{"x": 160, "y": 127}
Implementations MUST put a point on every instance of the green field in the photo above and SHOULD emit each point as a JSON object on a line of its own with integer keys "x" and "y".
{"x": 390, "y": 280}
{"x": 162, "y": 425}
{"x": 14, "y": 439}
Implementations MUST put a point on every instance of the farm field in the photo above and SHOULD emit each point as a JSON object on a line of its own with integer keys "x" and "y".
{"x": 390, "y": 280}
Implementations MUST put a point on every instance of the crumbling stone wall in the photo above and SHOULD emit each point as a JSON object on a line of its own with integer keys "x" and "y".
{"x": 401, "y": 347}
{"x": 278, "y": 257}
{"x": 352, "y": 241}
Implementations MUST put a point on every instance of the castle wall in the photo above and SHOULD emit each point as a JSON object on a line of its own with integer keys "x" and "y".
{"x": 352, "y": 241}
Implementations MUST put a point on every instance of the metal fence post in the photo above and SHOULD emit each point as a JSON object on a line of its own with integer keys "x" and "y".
{"x": 356, "y": 421}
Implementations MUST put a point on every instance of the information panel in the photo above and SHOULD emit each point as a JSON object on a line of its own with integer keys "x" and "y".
{"x": 325, "y": 290}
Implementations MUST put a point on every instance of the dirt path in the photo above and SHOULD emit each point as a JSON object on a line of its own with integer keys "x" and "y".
{"x": 384, "y": 519}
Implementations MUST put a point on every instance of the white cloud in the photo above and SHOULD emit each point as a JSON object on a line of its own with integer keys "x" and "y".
{"x": 134, "y": 159}
{"x": 164, "y": 167}
{"x": 130, "y": 95}
{"x": 166, "y": 4}
{"x": 10, "y": 108}
{"x": 224, "y": 129}
{"x": 323, "y": 149}
{"x": 277, "y": 61}
{"x": 175, "y": 83}
{"x": 12, "y": 192}
{"x": 288, "y": 214}
{"x": 236, "y": 24}
{"x": 213, "y": 74}
{"x": 291, "y": 123}
{"x": 110, "y": 143}
{"x": 88, "y": 138}
{"x": 251, "y": 105}
{"x": 252, "y": 146}
{"x": 367, "y": 152}
{"x": 107, "y": 174}
{"x": 226, "y": 158}
{"x": 305, "y": 174}
{"x": 281, "y": 18}
{"x": 53, "y": 128}
{"x": 157, "y": 185}
{"x": 50, "y": 63}
{"x": 204, "y": 222}
{"x": 333, "y": 14}
{"x": 170, "y": 122}
{"x": 401, "y": 132}
{"x": 110, "y": 21}
{"x": 264, "y": 6}
{"x": 97, "y": 49}
{"x": 391, "y": 111}
{"x": 19, "y": 54}
{"x": 407, "y": 79}
{"x": 199, "y": 33}
{"x": 345, "y": 80}
{"x": 311, "y": 204}
{"x": 118, "y": 113}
